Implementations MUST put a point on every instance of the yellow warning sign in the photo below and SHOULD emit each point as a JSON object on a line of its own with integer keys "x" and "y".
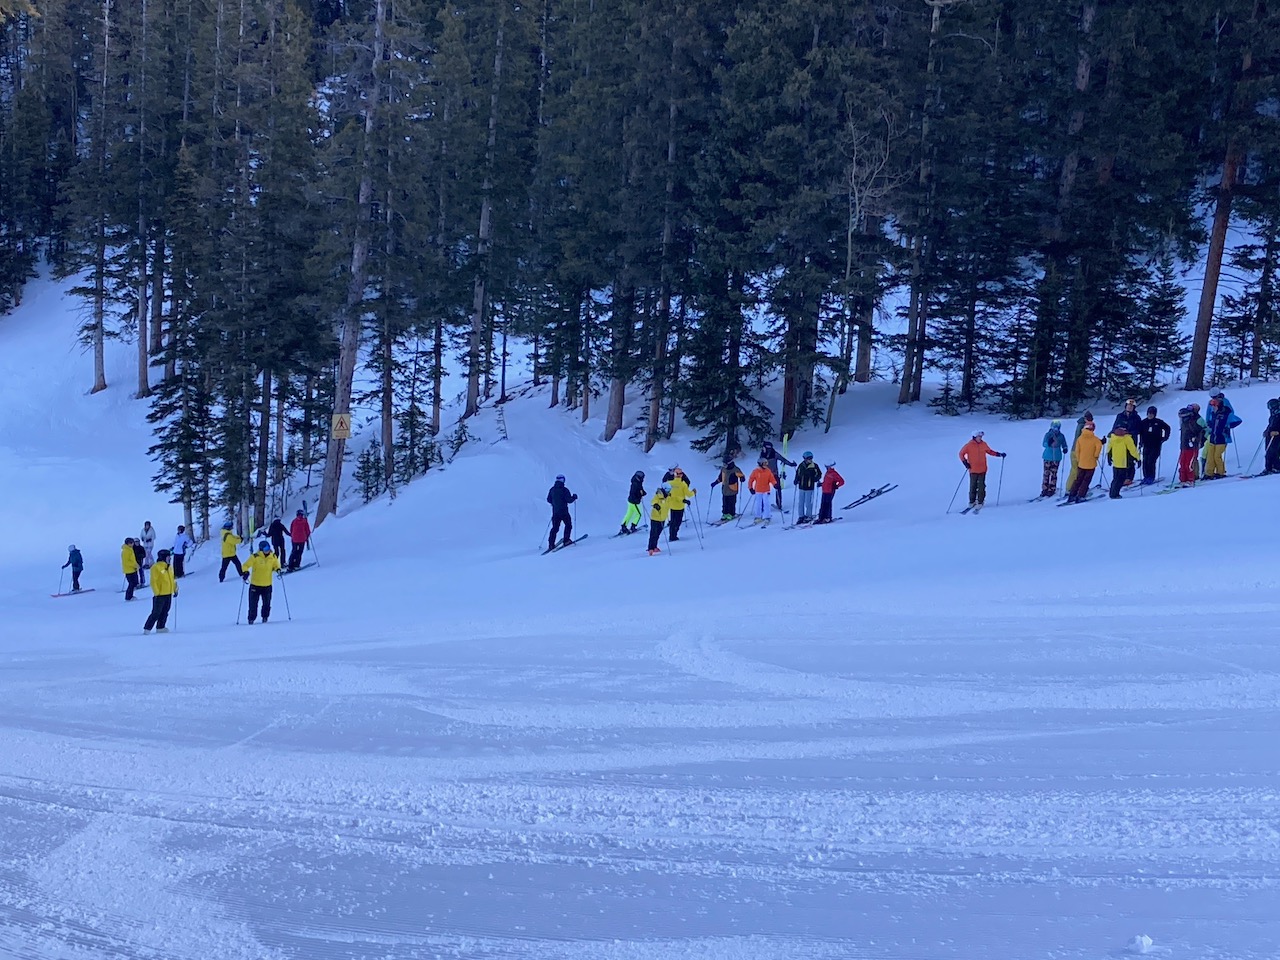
{"x": 341, "y": 426}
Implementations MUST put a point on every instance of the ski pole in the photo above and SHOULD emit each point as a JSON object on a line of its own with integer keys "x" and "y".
{"x": 546, "y": 533}
{"x": 1249, "y": 469}
{"x": 62, "y": 575}
{"x": 1237, "y": 446}
{"x": 697, "y": 524}
{"x": 957, "y": 491}
{"x": 1000, "y": 482}
{"x": 314, "y": 556}
{"x": 241, "y": 603}
{"x": 284, "y": 591}
{"x": 175, "y": 612}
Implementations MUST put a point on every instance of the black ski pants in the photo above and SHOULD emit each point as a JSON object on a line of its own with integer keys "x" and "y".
{"x": 160, "y": 607}
{"x": 1150, "y": 461}
{"x": 177, "y": 565}
{"x": 824, "y": 507}
{"x": 1118, "y": 476}
{"x": 1271, "y": 460}
{"x": 977, "y": 488}
{"x": 257, "y": 594}
{"x": 677, "y": 518}
{"x": 75, "y": 579}
{"x": 132, "y": 583}
{"x": 229, "y": 562}
{"x": 655, "y": 533}
{"x": 729, "y": 504}
{"x": 556, "y": 520}
{"x": 295, "y": 556}
{"x": 278, "y": 545}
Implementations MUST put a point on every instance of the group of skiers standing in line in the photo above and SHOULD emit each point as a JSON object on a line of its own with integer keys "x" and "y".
{"x": 165, "y": 567}
{"x": 1202, "y": 442}
{"x": 675, "y": 493}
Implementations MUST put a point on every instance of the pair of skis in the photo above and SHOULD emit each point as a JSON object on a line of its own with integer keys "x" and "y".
{"x": 871, "y": 495}
{"x": 560, "y": 546}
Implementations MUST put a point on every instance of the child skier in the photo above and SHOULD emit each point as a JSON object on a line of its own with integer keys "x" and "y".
{"x": 1122, "y": 454}
{"x": 659, "y": 510}
{"x": 760, "y": 483}
{"x": 808, "y": 475}
{"x": 1271, "y": 437}
{"x": 229, "y": 559}
{"x": 730, "y": 476}
{"x": 559, "y": 497}
{"x": 299, "y": 534}
{"x": 831, "y": 482}
{"x": 76, "y": 562}
{"x": 148, "y": 540}
{"x": 635, "y": 497}
{"x": 129, "y": 564}
{"x": 182, "y": 542}
{"x": 1055, "y": 448}
{"x": 258, "y": 570}
{"x": 680, "y": 494}
{"x": 164, "y": 587}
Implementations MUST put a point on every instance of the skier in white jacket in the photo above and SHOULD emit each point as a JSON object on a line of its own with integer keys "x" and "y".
{"x": 148, "y": 540}
{"x": 182, "y": 543}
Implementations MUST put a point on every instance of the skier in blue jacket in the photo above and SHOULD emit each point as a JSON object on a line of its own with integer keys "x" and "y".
{"x": 1055, "y": 448}
{"x": 76, "y": 562}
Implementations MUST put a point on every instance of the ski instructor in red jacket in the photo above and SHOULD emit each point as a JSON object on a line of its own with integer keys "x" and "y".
{"x": 974, "y": 457}
{"x": 299, "y": 534}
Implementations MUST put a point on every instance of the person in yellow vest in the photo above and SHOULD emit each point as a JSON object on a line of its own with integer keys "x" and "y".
{"x": 258, "y": 571}
{"x": 129, "y": 564}
{"x": 164, "y": 587}
{"x": 659, "y": 510}
{"x": 1123, "y": 455}
{"x": 680, "y": 494}
{"x": 229, "y": 543}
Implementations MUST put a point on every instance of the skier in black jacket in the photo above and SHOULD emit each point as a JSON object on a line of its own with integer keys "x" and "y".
{"x": 559, "y": 497}
{"x": 634, "y": 498}
{"x": 1128, "y": 418}
{"x": 277, "y": 533}
{"x": 1271, "y": 437}
{"x": 1152, "y": 434}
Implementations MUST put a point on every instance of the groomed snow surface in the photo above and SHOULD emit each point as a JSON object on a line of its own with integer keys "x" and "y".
{"x": 1033, "y": 733}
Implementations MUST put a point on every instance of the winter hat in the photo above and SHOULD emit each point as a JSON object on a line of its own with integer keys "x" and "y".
{"x": 162, "y": 555}
{"x": 559, "y": 478}
{"x": 763, "y": 462}
{"x": 830, "y": 465}
{"x": 1088, "y": 414}
{"x": 1056, "y": 423}
{"x": 71, "y": 548}
{"x": 227, "y": 525}
{"x": 181, "y": 528}
{"x": 1124, "y": 430}
{"x": 1090, "y": 426}
{"x": 977, "y": 434}
{"x": 299, "y": 514}
{"x": 1273, "y": 405}
{"x": 1195, "y": 406}
{"x": 1151, "y": 409}
{"x": 264, "y": 546}
{"x": 128, "y": 541}
{"x": 1131, "y": 402}
{"x": 639, "y": 475}
{"x": 808, "y": 454}
{"x": 1218, "y": 395}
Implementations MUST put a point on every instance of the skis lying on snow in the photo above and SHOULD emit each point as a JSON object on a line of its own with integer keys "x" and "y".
{"x": 561, "y": 546}
{"x": 871, "y": 495}
{"x": 72, "y": 593}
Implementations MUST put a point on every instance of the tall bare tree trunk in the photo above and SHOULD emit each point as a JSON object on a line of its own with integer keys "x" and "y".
{"x": 485, "y": 236}
{"x": 264, "y": 453}
{"x": 353, "y": 312}
{"x": 1225, "y": 196}
{"x": 437, "y": 377}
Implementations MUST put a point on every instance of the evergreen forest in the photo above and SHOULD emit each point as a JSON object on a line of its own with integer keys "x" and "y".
{"x": 292, "y": 206}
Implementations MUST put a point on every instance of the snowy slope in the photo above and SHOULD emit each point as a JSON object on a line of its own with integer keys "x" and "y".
{"x": 1038, "y": 732}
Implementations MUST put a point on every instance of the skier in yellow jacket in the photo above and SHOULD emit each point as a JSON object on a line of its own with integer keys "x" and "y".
{"x": 659, "y": 510}
{"x": 680, "y": 494}
{"x": 164, "y": 587}
{"x": 229, "y": 543}
{"x": 129, "y": 564}
{"x": 258, "y": 572}
{"x": 1122, "y": 453}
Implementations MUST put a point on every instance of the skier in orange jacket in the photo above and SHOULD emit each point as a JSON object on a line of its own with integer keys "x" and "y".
{"x": 974, "y": 457}
{"x": 761, "y": 484}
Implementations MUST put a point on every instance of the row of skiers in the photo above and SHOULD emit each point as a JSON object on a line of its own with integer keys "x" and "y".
{"x": 1202, "y": 443}
{"x": 298, "y": 533}
{"x": 676, "y": 492}
{"x": 137, "y": 558}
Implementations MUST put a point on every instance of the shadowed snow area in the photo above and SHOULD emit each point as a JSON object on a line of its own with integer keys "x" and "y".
{"x": 1033, "y": 733}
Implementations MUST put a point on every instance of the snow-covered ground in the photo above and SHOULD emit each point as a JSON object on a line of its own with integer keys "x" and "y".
{"x": 1035, "y": 733}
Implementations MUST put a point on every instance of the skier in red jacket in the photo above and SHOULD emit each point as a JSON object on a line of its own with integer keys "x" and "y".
{"x": 299, "y": 534}
{"x": 831, "y": 482}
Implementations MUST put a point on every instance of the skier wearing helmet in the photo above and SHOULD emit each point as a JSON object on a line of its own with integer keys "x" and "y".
{"x": 659, "y": 510}
{"x": 772, "y": 458}
{"x": 635, "y": 497}
{"x": 164, "y": 587}
{"x": 559, "y": 497}
{"x": 974, "y": 457}
{"x": 808, "y": 475}
{"x": 258, "y": 571}
{"x": 680, "y": 494}
{"x": 75, "y": 560}
{"x": 229, "y": 559}
{"x": 299, "y": 534}
{"x": 730, "y": 476}
{"x": 760, "y": 483}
